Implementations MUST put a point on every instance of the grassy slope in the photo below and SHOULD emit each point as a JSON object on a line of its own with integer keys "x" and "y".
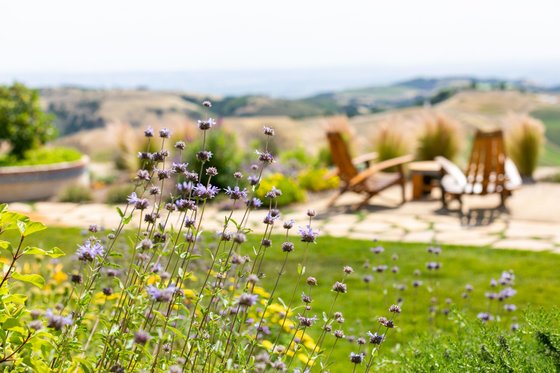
{"x": 551, "y": 119}
{"x": 537, "y": 281}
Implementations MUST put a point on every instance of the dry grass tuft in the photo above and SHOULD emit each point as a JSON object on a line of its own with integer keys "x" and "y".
{"x": 524, "y": 142}
{"x": 440, "y": 136}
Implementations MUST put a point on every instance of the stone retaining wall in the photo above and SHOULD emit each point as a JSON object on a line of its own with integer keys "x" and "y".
{"x": 29, "y": 183}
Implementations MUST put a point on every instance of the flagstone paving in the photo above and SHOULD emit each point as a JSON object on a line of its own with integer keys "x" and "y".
{"x": 532, "y": 221}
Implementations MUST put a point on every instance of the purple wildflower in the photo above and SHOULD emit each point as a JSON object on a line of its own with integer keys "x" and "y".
{"x": 205, "y": 192}
{"x": 485, "y": 317}
{"x": 308, "y": 234}
{"x": 247, "y": 300}
{"x": 89, "y": 251}
{"x": 164, "y": 133}
{"x": 132, "y": 198}
{"x": 236, "y": 193}
{"x": 149, "y": 132}
{"x": 206, "y": 124}
{"x": 254, "y": 203}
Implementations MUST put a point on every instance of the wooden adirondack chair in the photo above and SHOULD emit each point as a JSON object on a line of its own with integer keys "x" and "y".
{"x": 369, "y": 181}
{"x": 488, "y": 171}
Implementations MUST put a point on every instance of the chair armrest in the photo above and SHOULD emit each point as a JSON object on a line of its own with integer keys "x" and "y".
{"x": 452, "y": 170}
{"x": 393, "y": 162}
{"x": 513, "y": 178}
{"x": 364, "y": 158}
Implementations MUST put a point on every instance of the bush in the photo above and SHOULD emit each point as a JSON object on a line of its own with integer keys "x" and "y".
{"x": 524, "y": 142}
{"x": 314, "y": 180}
{"x": 226, "y": 156}
{"x": 42, "y": 156}
{"x": 489, "y": 348}
{"x": 118, "y": 194}
{"x": 291, "y": 191}
{"x": 22, "y": 121}
{"x": 296, "y": 158}
{"x": 76, "y": 194}
{"x": 390, "y": 141}
{"x": 440, "y": 137}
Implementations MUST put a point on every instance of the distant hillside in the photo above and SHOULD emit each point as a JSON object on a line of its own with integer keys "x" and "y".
{"x": 79, "y": 109}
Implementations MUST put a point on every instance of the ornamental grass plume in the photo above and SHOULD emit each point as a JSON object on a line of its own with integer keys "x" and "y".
{"x": 390, "y": 140}
{"x": 439, "y": 136}
{"x": 524, "y": 137}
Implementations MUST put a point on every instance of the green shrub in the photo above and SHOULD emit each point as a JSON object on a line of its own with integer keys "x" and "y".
{"x": 118, "y": 194}
{"x": 42, "y": 156}
{"x": 296, "y": 157}
{"x": 22, "y": 121}
{"x": 314, "y": 180}
{"x": 324, "y": 157}
{"x": 75, "y": 194}
{"x": 440, "y": 137}
{"x": 291, "y": 191}
{"x": 226, "y": 156}
{"x": 475, "y": 346}
{"x": 524, "y": 142}
{"x": 390, "y": 141}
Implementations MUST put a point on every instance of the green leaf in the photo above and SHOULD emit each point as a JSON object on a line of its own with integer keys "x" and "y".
{"x": 127, "y": 219}
{"x": 21, "y": 226}
{"x": 32, "y": 279}
{"x": 3, "y": 207}
{"x": 55, "y": 252}
{"x": 6, "y": 245}
{"x": 121, "y": 213}
{"x": 15, "y": 298}
{"x": 33, "y": 227}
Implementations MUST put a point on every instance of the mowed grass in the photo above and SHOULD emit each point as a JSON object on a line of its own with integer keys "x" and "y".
{"x": 537, "y": 283}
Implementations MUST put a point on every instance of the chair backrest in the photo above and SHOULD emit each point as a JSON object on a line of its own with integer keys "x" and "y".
{"x": 341, "y": 156}
{"x": 486, "y": 168}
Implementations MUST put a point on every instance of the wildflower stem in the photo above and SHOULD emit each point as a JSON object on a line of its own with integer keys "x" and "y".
{"x": 14, "y": 258}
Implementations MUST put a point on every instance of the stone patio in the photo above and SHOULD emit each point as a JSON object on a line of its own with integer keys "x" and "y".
{"x": 530, "y": 222}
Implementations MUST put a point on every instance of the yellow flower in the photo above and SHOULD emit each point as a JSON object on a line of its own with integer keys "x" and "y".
{"x": 59, "y": 277}
{"x": 267, "y": 345}
{"x": 304, "y": 359}
{"x": 309, "y": 343}
{"x": 260, "y": 291}
{"x": 289, "y": 325}
{"x": 189, "y": 293}
{"x": 99, "y": 298}
{"x": 152, "y": 279}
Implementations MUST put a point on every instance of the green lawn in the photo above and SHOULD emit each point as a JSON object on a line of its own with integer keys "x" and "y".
{"x": 537, "y": 283}
{"x": 551, "y": 120}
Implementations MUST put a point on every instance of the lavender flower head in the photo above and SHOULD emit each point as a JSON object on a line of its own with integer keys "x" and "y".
{"x": 206, "y": 124}
{"x": 164, "y": 133}
{"x": 306, "y": 321}
{"x": 205, "y": 192}
{"x": 247, "y": 300}
{"x": 307, "y": 234}
{"x": 254, "y": 203}
{"x": 268, "y": 131}
{"x": 161, "y": 295}
{"x": 149, "y": 132}
{"x": 356, "y": 358}
{"x": 132, "y": 198}
{"x": 89, "y": 251}
{"x": 56, "y": 321}
{"x": 236, "y": 193}
{"x": 375, "y": 338}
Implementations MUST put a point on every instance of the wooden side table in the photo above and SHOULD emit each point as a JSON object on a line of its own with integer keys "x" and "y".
{"x": 423, "y": 175}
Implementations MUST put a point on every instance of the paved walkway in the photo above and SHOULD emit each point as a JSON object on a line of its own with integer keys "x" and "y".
{"x": 531, "y": 222}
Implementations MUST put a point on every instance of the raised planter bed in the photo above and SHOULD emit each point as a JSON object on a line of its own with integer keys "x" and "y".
{"x": 29, "y": 183}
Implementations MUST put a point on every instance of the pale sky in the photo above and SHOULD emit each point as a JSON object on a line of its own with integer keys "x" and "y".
{"x": 134, "y": 35}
